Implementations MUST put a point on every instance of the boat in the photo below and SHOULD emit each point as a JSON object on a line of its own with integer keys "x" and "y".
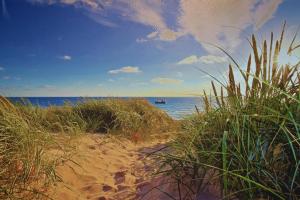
{"x": 160, "y": 101}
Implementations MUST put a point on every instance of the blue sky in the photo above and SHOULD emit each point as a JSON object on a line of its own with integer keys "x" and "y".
{"x": 128, "y": 47}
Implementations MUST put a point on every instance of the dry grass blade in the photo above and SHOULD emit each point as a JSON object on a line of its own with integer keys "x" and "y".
{"x": 264, "y": 71}
{"x": 255, "y": 51}
{"x": 282, "y": 35}
{"x": 231, "y": 87}
{"x": 255, "y": 82}
{"x": 222, "y": 97}
{"x": 270, "y": 57}
{"x": 206, "y": 102}
{"x": 215, "y": 93}
{"x": 247, "y": 76}
{"x": 275, "y": 62}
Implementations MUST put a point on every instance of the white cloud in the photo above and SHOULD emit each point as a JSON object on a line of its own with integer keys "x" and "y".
{"x": 211, "y": 59}
{"x": 1, "y": 68}
{"x": 100, "y": 85}
{"x": 208, "y": 59}
{"x": 265, "y": 11}
{"x": 6, "y": 77}
{"x": 188, "y": 60}
{"x": 152, "y": 35}
{"x": 164, "y": 80}
{"x": 66, "y": 57}
{"x": 127, "y": 69}
{"x": 221, "y": 22}
{"x": 147, "y": 12}
{"x": 92, "y": 4}
{"x": 150, "y": 13}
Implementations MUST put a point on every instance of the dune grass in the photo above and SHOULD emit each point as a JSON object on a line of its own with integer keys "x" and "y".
{"x": 22, "y": 155}
{"x": 121, "y": 116}
{"x": 115, "y": 115}
{"x": 248, "y": 139}
{"x": 29, "y": 133}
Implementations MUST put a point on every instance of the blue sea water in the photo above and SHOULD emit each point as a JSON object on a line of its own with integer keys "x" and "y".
{"x": 176, "y": 107}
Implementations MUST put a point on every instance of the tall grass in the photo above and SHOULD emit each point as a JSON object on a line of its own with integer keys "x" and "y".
{"x": 22, "y": 159}
{"x": 248, "y": 142}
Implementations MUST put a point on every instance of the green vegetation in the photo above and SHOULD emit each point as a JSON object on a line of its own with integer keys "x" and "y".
{"x": 28, "y": 134}
{"x": 115, "y": 115}
{"x": 248, "y": 142}
{"x": 22, "y": 159}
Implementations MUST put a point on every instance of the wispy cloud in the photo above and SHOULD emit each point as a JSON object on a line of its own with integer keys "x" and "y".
{"x": 164, "y": 80}
{"x": 208, "y": 59}
{"x": 2, "y": 68}
{"x": 126, "y": 69}
{"x": 92, "y": 4}
{"x": 188, "y": 60}
{"x": 66, "y": 57}
{"x": 211, "y": 59}
{"x": 221, "y": 22}
{"x": 149, "y": 13}
{"x": 5, "y": 13}
{"x": 6, "y": 77}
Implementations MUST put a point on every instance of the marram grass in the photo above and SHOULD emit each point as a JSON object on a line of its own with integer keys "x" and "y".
{"x": 248, "y": 142}
{"x": 28, "y": 134}
{"x": 22, "y": 159}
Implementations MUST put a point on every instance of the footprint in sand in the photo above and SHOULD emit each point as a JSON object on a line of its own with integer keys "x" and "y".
{"x": 119, "y": 177}
{"x": 92, "y": 147}
{"x": 106, "y": 188}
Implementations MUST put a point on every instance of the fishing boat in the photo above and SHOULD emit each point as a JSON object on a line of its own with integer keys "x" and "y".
{"x": 160, "y": 101}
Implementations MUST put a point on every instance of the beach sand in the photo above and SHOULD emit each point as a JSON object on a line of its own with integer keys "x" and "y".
{"x": 108, "y": 168}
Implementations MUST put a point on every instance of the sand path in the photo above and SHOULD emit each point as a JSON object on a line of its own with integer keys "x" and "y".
{"x": 106, "y": 168}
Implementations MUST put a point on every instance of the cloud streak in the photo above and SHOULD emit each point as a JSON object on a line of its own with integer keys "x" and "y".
{"x": 126, "y": 69}
{"x": 66, "y": 57}
{"x": 5, "y": 13}
{"x": 208, "y": 59}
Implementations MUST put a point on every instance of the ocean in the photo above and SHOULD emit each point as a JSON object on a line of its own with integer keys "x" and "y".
{"x": 176, "y": 107}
